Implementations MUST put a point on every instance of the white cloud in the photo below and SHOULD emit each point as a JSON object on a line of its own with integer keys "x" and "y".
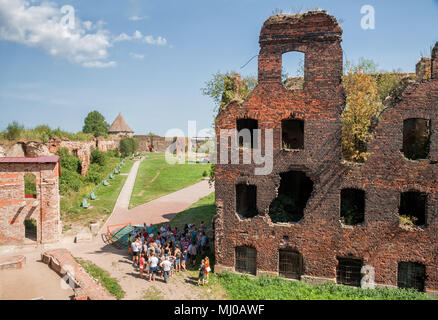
{"x": 60, "y": 33}
{"x": 99, "y": 64}
{"x": 137, "y": 56}
{"x": 44, "y": 26}
{"x": 122, "y": 37}
{"x": 160, "y": 41}
{"x": 137, "y": 35}
{"x": 137, "y": 18}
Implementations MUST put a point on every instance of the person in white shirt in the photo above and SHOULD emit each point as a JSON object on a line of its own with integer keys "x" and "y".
{"x": 153, "y": 263}
{"x": 192, "y": 253}
{"x": 166, "y": 265}
{"x": 136, "y": 247}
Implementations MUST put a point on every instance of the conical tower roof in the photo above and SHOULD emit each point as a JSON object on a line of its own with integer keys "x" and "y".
{"x": 119, "y": 125}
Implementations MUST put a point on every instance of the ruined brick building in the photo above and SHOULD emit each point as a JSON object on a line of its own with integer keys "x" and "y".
{"x": 23, "y": 200}
{"x": 339, "y": 216}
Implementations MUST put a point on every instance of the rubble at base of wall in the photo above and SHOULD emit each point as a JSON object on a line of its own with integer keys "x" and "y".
{"x": 316, "y": 280}
{"x": 218, "y": 268}
{"x": 15, "y": 262}
{"x": 85, "y": 288}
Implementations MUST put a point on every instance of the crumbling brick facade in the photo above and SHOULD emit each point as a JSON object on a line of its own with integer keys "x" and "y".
{"x": 158, "y": 143}
{"x": 321, "y": 237}
{"x": 80, "y": 149}
{"x": 15, "y": 207}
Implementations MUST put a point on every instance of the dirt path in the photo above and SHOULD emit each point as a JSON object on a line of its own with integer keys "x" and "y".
{"x": 182, "y": 286}
{"x": 35, "y": 280}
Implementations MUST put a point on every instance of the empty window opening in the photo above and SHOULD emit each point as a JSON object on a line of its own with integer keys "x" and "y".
{"x": 412, "y": 209}
{"x": 246, "y": 200}
{"x": 411, "y": 275}
{"x": 348, "y": 271}
{"x": 245, "y": 128}
{"x": 292, "y": 134}
{"x": 246, "y": 260}
{"x": 352, "y": 206}
{"x": 416, "y": 138}
{"x": 292, "y": 72}
{"x": 293, "y": 194}
{"x": 290, "y": 264}
{"x": 30, "y": 191}
{"x": 30, "y": 229}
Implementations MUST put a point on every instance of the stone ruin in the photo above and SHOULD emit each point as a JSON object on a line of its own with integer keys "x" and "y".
{"x": 81, "y": 149}
{"x": 339, "y": 219}
{"x": 17, "y": 207}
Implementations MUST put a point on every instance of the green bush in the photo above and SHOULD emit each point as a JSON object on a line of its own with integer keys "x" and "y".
{"x": 14, "y": 131}
{"x": 98, "y": 157}
{"x": 30, "y": 184}
{"x": 128, "y": 146}
{"x": 113, "y": 153}
{"x": 70, "y": 180}
{"x": 41, "y": 133}
{"x": 30, "y": 226}
{"x": 241, "y": 287}
{"x": 95, "y": 174}
{"x": 284, "y": 209}
{"x": 69, "y": 161}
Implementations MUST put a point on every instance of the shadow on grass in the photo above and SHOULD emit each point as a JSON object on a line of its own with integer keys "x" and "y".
{"x": 191, "y": 280}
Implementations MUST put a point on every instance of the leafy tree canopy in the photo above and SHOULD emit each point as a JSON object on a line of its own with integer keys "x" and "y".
{"x": 95, "y": 124}
{"x": 224, "y": 87}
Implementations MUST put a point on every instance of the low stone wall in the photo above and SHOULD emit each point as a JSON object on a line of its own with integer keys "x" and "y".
{"x": 14, "y": 262}
{"x": 106, "y": 145}
{"x": 85, "y": 287}
{"x": 25, "y": 149}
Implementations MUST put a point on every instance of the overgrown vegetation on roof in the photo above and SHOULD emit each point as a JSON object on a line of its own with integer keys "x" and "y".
{"x": 42, "y": 133}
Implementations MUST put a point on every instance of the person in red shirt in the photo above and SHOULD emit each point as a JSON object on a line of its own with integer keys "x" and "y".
{"x": 207, "y": 268}
{"x": 141, "y": 265}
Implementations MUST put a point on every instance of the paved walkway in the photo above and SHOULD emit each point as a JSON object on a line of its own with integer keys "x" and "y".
{"x": 156, "y": 211}
{"x": 125, "y": 193}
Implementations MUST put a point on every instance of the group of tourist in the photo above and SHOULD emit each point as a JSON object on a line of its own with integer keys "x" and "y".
{"x": 166, "y": 251}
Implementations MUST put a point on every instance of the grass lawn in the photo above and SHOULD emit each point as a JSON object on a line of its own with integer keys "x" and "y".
{"x": 243, "y": 287}
{"x": 203, "y": 210}
{"x": 157, "y": 178}
{"x": 102, "y": 277}
{"x": 100, "y": 208}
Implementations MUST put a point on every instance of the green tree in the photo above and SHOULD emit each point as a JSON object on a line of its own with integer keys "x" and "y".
{"x": 224, "y": 87}
{"x": 363, "y": 65}
{"x": 95, "y": 124}
{"x": 128, "y": 146}
{"x": 14, "y": 131}
{"x": 363, "y": 104}
{"x": 98, "y": 157}
{"x": 389, "y": 83}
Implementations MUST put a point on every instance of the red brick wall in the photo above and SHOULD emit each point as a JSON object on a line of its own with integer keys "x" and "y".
{"x": 320, "y": 236}
{"x": 435, "y": 61}
{"x": 15, "y": 208}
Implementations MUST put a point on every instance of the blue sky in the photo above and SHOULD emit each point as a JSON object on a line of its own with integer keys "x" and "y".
{"x": 149, "y": 59}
